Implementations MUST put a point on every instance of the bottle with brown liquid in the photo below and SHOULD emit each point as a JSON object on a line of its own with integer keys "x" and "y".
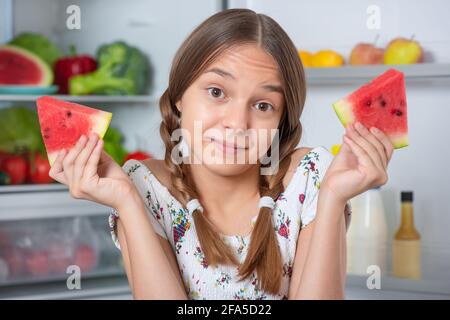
{"x": 406, "y": 256}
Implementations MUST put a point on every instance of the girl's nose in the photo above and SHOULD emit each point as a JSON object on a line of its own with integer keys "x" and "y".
{"x": 236, "y": 117}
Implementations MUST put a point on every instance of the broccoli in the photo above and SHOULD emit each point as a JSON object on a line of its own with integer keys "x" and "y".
{"x": 122, "y": 70}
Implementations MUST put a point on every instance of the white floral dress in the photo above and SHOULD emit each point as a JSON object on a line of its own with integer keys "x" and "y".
{"x": 295, "y": 208}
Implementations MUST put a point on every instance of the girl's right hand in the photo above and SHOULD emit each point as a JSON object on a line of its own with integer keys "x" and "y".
{"x": 91, "y": 174}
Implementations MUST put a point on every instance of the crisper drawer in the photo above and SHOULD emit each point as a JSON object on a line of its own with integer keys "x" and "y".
{"x": 45, "y": 235}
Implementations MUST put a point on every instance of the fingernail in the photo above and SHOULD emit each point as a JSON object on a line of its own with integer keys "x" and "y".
{"x": 359, "y": 125}
{"x": 375, "y": 130}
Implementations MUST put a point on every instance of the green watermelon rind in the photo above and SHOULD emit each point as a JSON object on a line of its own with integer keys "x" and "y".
{"x": 47, "y": 72}
{"x": 343, "y": 109}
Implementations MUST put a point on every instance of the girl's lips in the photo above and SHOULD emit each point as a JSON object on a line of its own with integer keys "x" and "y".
{"x": 227, "y": 148}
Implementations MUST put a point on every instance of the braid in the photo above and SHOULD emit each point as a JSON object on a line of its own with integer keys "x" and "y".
{"x": 264, "y": 253}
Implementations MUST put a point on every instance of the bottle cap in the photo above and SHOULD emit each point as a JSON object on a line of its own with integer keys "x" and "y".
{"x": 407, "y": 196}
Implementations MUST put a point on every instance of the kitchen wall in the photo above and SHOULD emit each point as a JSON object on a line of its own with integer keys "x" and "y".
{"x": 159, "y": 28}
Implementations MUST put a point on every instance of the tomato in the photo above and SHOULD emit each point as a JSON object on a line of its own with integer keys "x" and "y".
{"x": 38, "y": 169}
{"x": 137, "y": 155}
{"x": 16, "y": 167}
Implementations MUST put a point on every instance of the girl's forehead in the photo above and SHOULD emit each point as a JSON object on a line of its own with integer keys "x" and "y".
{"x": 246, "y": 58}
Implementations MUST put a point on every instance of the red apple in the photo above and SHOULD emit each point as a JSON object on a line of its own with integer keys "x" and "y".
{"x": 366, "y": 53}
{"x": 85, "y": 257}
{"x": 37, "y": 263}
{"x": 60, "y": 257}
{"x": 15, "y": 258}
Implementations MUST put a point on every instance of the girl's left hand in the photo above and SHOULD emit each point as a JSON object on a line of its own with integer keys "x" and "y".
{"x": 360, "y": 165}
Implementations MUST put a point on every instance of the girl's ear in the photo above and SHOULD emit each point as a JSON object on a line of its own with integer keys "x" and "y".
{"x": 178, "y": 106}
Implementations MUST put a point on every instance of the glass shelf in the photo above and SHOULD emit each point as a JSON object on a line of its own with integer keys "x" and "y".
{"x": 90, "y": 98}
{"x": 359, "y": 74}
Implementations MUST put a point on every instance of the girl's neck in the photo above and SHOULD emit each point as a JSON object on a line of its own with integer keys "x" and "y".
{"x": 224, "y": 195}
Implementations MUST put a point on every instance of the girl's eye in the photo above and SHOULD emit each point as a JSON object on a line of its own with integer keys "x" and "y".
{"x": 264, "y": 106}
{"x": 215, "y": 92}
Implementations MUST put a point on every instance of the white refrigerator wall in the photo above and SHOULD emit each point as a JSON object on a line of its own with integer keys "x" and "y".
{"x": 159, "y": 27}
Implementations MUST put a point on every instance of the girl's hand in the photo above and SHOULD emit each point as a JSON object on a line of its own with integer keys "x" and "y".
{"x": 360, "y": 165}
{"x": 91, "y": 174}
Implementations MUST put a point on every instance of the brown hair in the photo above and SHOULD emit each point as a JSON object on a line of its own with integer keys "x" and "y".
{"x": 219, "y": 32}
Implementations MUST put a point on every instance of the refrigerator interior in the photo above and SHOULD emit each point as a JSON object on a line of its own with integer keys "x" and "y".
{"x": 158, "y": 28}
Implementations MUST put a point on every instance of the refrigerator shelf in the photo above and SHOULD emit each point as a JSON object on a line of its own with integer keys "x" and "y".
{"x": 138, "y": 99}
{"x": 24, "y": 202}
{"x": 421, "y": 72}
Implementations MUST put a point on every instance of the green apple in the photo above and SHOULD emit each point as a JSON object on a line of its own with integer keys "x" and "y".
{"x": 403, "y": 51}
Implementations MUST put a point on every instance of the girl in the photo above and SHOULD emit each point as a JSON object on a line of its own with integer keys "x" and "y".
{"x": 210, "y": 230}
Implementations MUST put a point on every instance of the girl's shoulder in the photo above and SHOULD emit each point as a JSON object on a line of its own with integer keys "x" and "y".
{"x": 307, "y": 162}
{"x": 157, "y": 173}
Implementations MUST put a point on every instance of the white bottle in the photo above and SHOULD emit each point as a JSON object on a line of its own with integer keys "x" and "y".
{"x": 367, "y": 234}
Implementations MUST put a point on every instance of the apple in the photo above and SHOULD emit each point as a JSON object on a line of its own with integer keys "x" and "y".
{"x": 15, "y": 259}
{"x": 60, "y": 257}
{"x": 403, "y": 51}
{"x": 37, "y": 263}
{"x": 366, "y": 53}
{"x": 85, "y": 258}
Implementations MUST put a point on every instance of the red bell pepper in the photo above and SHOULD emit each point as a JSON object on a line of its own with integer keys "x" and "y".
{"x": 67, "y": 67}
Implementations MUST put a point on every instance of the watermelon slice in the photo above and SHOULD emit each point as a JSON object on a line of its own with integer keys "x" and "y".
{"x": 62, "y": 123}
{"x": 381, "y": 104}
{"x": 22, "y": 67}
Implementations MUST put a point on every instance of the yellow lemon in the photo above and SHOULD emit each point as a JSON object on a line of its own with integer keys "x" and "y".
{"x": 327, "y": 58}
{"x": 335, "y": 149}
{"x": 305, "y": 57}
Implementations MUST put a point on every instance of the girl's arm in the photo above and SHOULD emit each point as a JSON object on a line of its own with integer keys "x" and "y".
{"x": 321, "y": 257}
{"x": 361, "y": 164}
{"x": 150, "y": 269}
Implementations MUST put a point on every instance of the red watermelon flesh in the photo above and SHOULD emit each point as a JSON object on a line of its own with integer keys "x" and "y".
{"x": 381, "y": 104}
{"x": 22, "y": 67}
{"x": 63, "y": 123}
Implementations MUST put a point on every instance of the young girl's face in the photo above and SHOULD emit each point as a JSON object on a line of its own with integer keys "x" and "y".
{"x": 237, "y": 101}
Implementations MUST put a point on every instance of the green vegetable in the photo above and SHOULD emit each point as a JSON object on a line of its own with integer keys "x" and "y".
{"x": 113, "y": 145}
{"x": 20, "y": 130}
{"x": 122, "y": 70}
{"x": 4, "y": 178}
{"x": 40, "y": 45}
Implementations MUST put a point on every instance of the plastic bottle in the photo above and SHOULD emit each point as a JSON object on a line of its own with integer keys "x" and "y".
{"x": 367, "y": 234}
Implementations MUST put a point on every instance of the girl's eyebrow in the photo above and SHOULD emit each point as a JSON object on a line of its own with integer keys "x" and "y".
{"x": 267, "y": 87}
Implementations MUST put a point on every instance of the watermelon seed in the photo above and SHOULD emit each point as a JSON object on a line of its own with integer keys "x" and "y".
{"x": 69, "y": 114}
{"x": 368, "y": 103}
{"x": 46, "y": 136}
{"x": 383, "y": 103}
{"x": 397, "y": 112}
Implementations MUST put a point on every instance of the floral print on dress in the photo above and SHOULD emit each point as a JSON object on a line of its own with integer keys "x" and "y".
{"x": 287, "y": 269}
{"x": 223, "y": 279}
{"x": 156, "y": 208}
{"x": 282, "y": 225}
{"x": 309, "y": 164}
{"x": 200, "y": 257}
{"x": 301, "y": 198}
{"x": 294, "y": 207}
{"x": 180, "y": 225}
